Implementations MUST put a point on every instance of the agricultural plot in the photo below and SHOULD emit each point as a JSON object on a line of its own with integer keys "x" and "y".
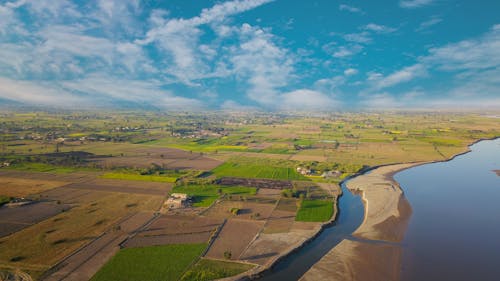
{"x": 22, "y": 187}
{"x": 234, "y": 238}
{"x": 207, "y": 269}
{"x": 149, "y": 263}
{"x": 229, "y": 169}
{"x": 205, "y": 195}
{"x": 246, "y": 210}
{"x": 315, "y": 211}
{"x": 136, "y": 177}
{"x": 38, "y": 247}
{"x": 13, "y": 219}
{"x": 175, "y": 229}
{"x": 130, "y": 187}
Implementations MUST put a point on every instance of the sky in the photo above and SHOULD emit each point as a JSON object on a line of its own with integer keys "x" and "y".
{"x": 276, "y": 55}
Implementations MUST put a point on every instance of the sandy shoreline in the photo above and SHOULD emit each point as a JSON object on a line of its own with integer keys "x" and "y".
{"x": 376, "y": 255}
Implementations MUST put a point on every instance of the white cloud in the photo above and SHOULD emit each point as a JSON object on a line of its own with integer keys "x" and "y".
{"x": 429, "y": 23}
{"x": 379, "y": 28}
{"x": 362, "y": 37}
{"x": 404, "y": 75}
{"x": 37, "y": 93}
{"x": 266, "y": 66}
{"x": 410, "y": 4}
{"x": 352, "y": 9}
{"x": 350, "y": 72}
{"x": 347, "y": 51}
{"x": 181, "y": 39}
{"x": 305, "y": 100}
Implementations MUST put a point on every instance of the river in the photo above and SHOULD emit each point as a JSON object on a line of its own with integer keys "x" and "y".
{"x": 454, "y": 230}
{"x": 349, "y": 218}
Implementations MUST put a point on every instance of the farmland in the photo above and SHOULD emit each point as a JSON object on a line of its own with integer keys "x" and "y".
{"x": 205, "y": 195}
{"x": 148, "y": 263}
{"x": 97, "y": 183}
{"x": 206, "y": 269}
{"x": 255, "y": 171}
{"x": 315, "y": 210}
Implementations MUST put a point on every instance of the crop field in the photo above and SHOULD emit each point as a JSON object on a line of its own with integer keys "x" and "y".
{"x": 255, "y": 171}
{"x": 135, "y": 177}
{"x": 205, "y": 195}
{"x": 206, "y": 269}
{"x": 149, "y": 263}
{"x": 315, "y": 211}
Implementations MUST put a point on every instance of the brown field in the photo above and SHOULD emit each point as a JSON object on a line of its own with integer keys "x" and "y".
{"x": 268, "y": 192}
{"x": 287, "y": 204}
{"x": 268, "y": 247}
{"x": 279, "y": 222}
{"x": 83, "y": 264}
{"x": 131, "y": 187}
{"x": 234, "y": 237}
{"x": 40, "y": 246}
{"x": 248, "y": 210}
{"x": 22, "y": 187}
{"x": 175, "y": 229}
{"x": 16, "y": 218}
{"x": 171, "y": 158}
{"x": 42, "y": 176}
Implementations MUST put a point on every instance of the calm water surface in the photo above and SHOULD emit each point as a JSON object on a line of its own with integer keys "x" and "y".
{"x": 454, "y": 230}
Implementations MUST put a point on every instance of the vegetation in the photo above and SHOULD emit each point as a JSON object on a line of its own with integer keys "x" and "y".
{"x": 205, "y": 195}
{"x": 229, "y": 169}
{"x": 315, "y": 211}
{"x": 4, "y": 200}
{"x": 150, "y": 263}
{"x": 206, "y": 269}
{"x": 138, "y": 177}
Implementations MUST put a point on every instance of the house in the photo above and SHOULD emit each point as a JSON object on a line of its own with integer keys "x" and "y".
{"x": 5, "y": 164}
{"x": 178, "y": 200}
{"x": 332, "y": 174}
{"x": 304, "y": 171}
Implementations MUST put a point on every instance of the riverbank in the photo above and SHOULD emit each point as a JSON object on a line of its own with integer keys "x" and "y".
{"x": 374, "y": 252}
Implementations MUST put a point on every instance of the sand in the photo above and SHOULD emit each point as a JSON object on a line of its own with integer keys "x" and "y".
{"x": 374, "y": 251}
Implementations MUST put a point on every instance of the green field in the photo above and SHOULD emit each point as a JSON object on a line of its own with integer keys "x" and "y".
{"x": 205, "y": 270}
{"x": 150, "y": 263}
{"x": 136, "y": 177}
{"x": 4, "y": 200}
{"x": 315, "y": 211}
{"x": 205, "y": 195}
{"x": 230, "y": 169}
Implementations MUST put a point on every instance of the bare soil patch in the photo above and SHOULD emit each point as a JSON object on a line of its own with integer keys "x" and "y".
{"x": 235, "y": 236}
{"x": 175, "y": 229}
{"x": 279, "y": 222}
{"x": 22, "y": 187}
{"x": 169, "y": 157}
{"x": 132, "y": 187}
{"x": 16, "y": 218}
{"x": 247, "y": 210}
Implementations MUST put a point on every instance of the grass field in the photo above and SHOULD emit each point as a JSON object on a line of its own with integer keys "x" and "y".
{"x": 150, "y": 263}
{"x": 136, "y": 177}
{"x": 206, "y": 269}
{"x": 42, "y": 167}
{"x": 205, "y": 195}
{"x": 229, "y": 169}
{"x": 315, "y": 211}
{"x": 4, "y": 200}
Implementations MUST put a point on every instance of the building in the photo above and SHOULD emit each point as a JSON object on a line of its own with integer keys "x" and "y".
{"x": 178, "y": 200}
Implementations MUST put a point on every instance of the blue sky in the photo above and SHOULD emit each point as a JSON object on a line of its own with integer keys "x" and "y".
{"x": 251, "y": 54}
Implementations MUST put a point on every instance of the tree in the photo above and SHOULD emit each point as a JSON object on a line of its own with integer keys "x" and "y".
{"x": 227, "y": 254}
